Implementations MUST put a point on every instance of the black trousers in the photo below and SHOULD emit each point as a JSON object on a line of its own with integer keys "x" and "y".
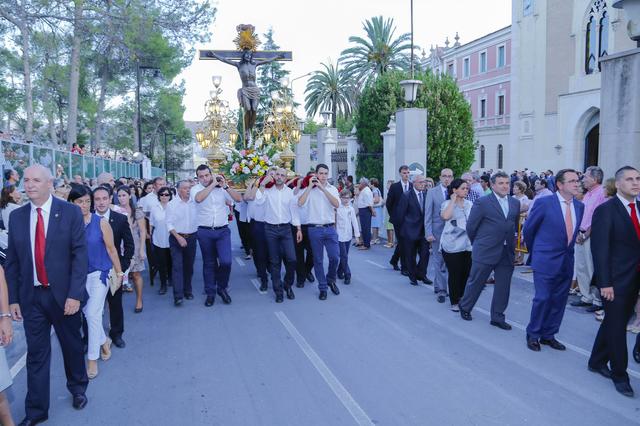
{"x": 116, "y": 314}
{"x": 398, "y": 253}
{"x": 162, "y": 258}
{"x": 411, "y": 249}
{"x": 303, "y": 265}
{"x": 244, "y": 230}
{"x": 610, "y": 345}
{"x": 43, "y": 314}
{"x": 260, "y": 249}
{"x": 281, "y": 249}
{"x": 182, "y": 259}
{"x": 459, "y": 267}
{"x": 150, "y": 255}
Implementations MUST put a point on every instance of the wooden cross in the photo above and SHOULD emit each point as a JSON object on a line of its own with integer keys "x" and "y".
{"x": 258, "y": 56}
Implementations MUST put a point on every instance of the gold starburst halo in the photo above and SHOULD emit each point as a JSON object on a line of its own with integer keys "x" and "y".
{"x": 247, "y": 39}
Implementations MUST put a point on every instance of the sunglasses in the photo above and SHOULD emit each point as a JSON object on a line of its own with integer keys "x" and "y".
{"x": 165, "y": 195}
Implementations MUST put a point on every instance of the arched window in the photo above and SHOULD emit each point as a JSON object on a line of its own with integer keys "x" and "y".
{"x": 482, "y": 156}
{"x": 500, "y": 156}
{"x": 596, "y": 43}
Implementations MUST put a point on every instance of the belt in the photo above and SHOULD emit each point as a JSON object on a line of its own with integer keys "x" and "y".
{"x": 278, "y": 224}
{"x": 186, "y": 235}
{"x": 324, "y": 225}
{"x": 42, "y": 287}
{"x": 215, "y": 228}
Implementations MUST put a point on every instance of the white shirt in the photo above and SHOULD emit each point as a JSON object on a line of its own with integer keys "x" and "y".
{"x": 241, "y": 208}
{"x": 255, "y": 211}
{"x": 303, "y": 211}
{"x": 6, "y": 212}
{"x": 319, "y": 209}
{"x": 45, "y": 210}
{"x": 158, "y": 220}
{"x": 563, "y": 206}
{"x": 346, "y": 223}
{"x": 625, "y": 203}
{"x": 405, "y": 186}
{"x": 149, "y": 201}
{"x": 504, "y": 204}
{"x": 213, "y": 210}
{"x": 279, "y": 205}
{"x": 422, "y": 205}
{"x": 182, "y": 215}
{"x": 105, "y": 215}
{"x": 365, "y": 198}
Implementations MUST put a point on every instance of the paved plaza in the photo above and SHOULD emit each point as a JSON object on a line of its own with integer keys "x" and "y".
{"x": 382, "y": 352}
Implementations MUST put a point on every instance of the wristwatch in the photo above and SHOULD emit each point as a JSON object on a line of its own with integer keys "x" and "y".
{"x": 226, "y": 187}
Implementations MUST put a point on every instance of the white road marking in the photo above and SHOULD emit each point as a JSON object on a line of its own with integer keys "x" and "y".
{"x": 240, "y": 261}
{"x": 574, "y": 348}
{"x": 256, "y": 284}
{"x": 338, "y": 389}
{"x": 21, "y": 362}
{"x": 375, "y": 264}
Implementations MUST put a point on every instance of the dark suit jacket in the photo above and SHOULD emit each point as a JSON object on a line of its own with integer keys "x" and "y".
{"x": 122, "y": 234}
{"x": 545, "y": 234}
{"x": 65, "y": 255}
{"x": 488, "y": 229}
{"x": 393, "y": 198}
{"x": 615, "y": 246}
{"x": 409, "y": 217}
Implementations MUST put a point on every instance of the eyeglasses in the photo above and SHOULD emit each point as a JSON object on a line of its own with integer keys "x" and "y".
{"x": 165, "y": 195}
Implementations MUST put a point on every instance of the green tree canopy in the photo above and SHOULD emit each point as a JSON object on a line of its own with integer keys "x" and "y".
{"x": 449, "y": 123}
{"x": 329, "y": 89}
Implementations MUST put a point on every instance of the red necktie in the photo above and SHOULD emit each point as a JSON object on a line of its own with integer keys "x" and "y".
{"x": 41, "y": 242}
{"x": 634, "y": 218}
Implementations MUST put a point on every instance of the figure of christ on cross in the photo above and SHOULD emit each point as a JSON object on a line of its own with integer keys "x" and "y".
{"x": 249, "y": 94}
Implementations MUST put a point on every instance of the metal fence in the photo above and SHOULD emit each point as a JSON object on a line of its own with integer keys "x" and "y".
{"x": 18, "y": 156}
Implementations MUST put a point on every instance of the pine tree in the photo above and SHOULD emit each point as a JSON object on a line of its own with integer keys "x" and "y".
{"x": 269, "y": 76}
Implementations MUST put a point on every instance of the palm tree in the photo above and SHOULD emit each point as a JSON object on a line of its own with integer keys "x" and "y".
{"x": 329, "y": 88}
{"x": 377, "y": 53}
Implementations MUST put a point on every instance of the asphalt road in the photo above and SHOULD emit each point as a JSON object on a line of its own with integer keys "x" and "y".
{"x": 382, "y": 352}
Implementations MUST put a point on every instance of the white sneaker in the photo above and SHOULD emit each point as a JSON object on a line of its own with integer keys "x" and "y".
{"x": 455, "y": 308}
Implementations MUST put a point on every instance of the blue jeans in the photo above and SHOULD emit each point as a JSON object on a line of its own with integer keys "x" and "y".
{"x": 215, "y": 245}
{"x": 343, "y": 267}
{"x": 324, "y": 238}
{"x": 365, "y": 225}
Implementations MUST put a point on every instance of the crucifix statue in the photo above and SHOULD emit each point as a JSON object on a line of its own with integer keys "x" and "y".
{"x": 247, "y": 59}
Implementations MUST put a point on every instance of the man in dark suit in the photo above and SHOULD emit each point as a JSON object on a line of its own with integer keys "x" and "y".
{"x": 393, "y": 198}
{"x": 410, "y": 220}
{"x": 615, "y": 247}
{"x": 491, "y": 227}
{"x": 46, "y": 271}
{"x": 550, "y": 234}
{"x": 123, "y": 240}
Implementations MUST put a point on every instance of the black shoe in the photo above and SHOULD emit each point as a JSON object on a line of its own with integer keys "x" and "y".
{"x": 405, "y": 273}
{"x": 533, "y": 344}
{"x": 30, "y": 422}
{"x": 264, "y": 286}
{"x": 580, "y": 304}
{"x": 79, "y": 401}
{"x": 118, "y": 342}
{"x": 593, "y": 308}
{"x": 300, "y": 285}
{"x": 395, "y": 266}
{"x": 603, "y": 371}
{"x": 624, "y": 388}
{"x": 279, "y": 298}
{"x": 441, "y": 298}
{"x": 290, "y": 294}
{"x": 501, "y": 324}
{"x": 333, "y": 287}
{"x": 188, "y": 296}
{"x": 427, "y": 281}
{"x": 340, "y": 276}
{"x": 413, "y": 282}
{"x": 226, "y": 299}
{"x": 347, "y": 280}
{"x": 465, "y": 315}
{"x": 177, "y": 301}
{"x": 323, "y": 295}
{"x": 209, "y": 301}
{"x": 163, "y": 290}
{"x": 554, "y": 344}
{"x": 137, "y": 310}
{"x": 636, "y": 354}
{"x": 310, "y": 277}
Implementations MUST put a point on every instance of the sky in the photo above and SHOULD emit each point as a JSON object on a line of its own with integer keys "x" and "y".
{"x": 317, "y": 31}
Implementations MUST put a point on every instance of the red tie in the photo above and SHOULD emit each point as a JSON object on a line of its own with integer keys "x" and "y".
{"x": 634, "y": 218}
{"x": 41, "y": 242}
